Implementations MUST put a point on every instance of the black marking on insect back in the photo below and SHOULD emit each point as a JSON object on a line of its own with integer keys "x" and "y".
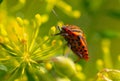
{"x": 85, "y": 55}
{"x": 78, "y": 37}
{"x": 79, "y": 43}
{"x": 85, "y": 50}
{"x": 72, "y": 40}
{"x": 72, "y": 34}
{"x": 74, "y": 50}
{"x": 74, "y": 46}
{"x": 83, "y": 47}
{"x": 77, "y": 40}
{"x": 81, "y": 50}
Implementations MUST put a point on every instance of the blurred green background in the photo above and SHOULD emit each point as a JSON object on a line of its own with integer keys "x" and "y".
{"x": 99, "y": 19}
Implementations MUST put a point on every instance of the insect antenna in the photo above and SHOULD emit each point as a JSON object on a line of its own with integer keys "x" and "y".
{"x": 59, "y": 28}
{"x": 58, "y": 18}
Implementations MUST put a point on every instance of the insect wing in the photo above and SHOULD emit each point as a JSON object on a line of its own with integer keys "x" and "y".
{"x": 84, "y": 48}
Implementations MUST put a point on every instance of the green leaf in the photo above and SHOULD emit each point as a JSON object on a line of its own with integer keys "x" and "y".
{"x": 1, "y": 1}
{"x": 15, "y": 74}
{"x": 114, "y": 14}
{"x": 2, "y": 67}
{"x": 8, "y": 49}
{"x": 109, "y": 34}
{"x": 30, "y": 74}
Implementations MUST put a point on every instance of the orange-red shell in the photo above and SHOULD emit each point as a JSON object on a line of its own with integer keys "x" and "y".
{"x": 76, "y": 40}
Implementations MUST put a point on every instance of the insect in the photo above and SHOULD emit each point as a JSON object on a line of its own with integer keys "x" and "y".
{"x": 75, "y": 40}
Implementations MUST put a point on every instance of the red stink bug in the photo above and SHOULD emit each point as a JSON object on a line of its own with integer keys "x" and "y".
{"x": 75, "y": 40}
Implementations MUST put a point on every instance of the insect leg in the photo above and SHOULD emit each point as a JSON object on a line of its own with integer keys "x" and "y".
{"x": 57, "y": 34}
{"x": 80, "y": 56}
{"x": 64, "y": 49}
{"x": 69, "y": 47}
{"x": 58, "y": 28}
